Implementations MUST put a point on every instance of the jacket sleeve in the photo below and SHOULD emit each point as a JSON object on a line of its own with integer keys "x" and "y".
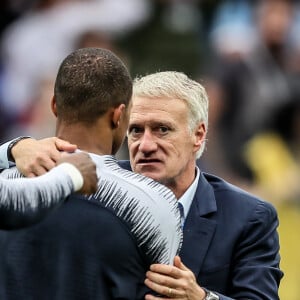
{"x": 256, "y": 273}
{"x": 4, "y": 163}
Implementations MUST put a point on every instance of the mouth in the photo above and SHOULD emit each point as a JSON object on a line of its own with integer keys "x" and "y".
{"x": 148, "y": 161}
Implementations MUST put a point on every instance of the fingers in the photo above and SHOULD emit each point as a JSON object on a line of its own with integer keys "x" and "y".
{"x": 177, "y": 261}
{"x": 62, "y": 145}
{"x": 165, "y": 288}
{"x": 37, "y": 169}
{"x": 176, "y": 281}
{"x": 152, "y": 297}
{"x": 86, "y": 167}
{"x": 90, "y": 184}
{"x": 166, "y": 270}
{"x": 35, "y": 165}
{"x": 179, "y": 264}
{"x": 34, "y": 158}
{"x": 164, "y": 280}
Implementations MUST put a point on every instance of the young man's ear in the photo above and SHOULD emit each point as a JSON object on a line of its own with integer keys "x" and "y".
{"x": 53, "y": 106}
{"x": 117, "y": 115}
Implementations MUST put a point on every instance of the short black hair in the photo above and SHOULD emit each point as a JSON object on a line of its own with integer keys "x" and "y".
{"x": 89, "y": 82}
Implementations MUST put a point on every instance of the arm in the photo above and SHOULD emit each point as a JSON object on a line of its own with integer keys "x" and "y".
{"x": 33, "y": 157}
{"x": 256, "y": 273}
{"x": 24, "y": 201}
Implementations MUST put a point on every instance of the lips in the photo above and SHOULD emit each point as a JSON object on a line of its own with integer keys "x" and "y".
{"x": 148, "y": 161}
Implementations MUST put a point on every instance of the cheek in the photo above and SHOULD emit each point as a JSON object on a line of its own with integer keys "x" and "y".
{"x": 183, "y": 146}
{"x": 131, "y": 149}
{"x": 182, "y": 153}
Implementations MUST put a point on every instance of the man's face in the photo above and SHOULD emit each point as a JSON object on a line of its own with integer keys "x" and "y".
{"x": 160, "y": 144}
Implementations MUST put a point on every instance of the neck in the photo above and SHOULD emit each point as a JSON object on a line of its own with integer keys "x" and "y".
{"x": 180, "y": 184}
{"x": 87, "y": 137}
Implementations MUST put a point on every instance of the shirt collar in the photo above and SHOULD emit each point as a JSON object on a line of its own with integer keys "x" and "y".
{"x": 187, "y": 198}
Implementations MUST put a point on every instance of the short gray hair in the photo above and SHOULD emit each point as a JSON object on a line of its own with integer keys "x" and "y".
{"x": 177, "y": 85}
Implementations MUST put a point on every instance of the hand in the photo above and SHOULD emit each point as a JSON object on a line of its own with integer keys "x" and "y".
{"x": 87, "y": 168}
{"x": 36, "y": 157}
{"x": 173, "y": 282}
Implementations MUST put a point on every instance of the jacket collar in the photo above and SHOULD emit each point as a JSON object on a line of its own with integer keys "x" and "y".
{"x": 199, "y": 227}
{"x": 204, "y": 201}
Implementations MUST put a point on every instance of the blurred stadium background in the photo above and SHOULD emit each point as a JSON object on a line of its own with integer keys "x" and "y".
{"x": 246, "y": 54}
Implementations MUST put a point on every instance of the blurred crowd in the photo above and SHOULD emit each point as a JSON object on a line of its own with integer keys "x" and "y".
{"x": 246, "y": 54}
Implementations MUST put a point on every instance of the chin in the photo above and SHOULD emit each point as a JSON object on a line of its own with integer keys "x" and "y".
{"x": 151, "y": 175}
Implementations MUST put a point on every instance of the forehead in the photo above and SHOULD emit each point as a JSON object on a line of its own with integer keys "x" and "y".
{"x": 158, "y": 109}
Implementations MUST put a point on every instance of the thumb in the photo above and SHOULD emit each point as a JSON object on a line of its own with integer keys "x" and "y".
{"x": 62, "y": 145}
{"x": 179, "y": 264}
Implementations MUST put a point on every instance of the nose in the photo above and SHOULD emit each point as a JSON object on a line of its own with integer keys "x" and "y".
{"x": 147, "y": 143}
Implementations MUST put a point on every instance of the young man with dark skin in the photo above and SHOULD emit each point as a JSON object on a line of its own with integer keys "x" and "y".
{"x": 98, "y": 247}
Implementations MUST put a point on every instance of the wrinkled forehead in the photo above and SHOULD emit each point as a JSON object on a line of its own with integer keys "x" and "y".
{"x": 158, "y": 108}
{"x": 154, "y": 112}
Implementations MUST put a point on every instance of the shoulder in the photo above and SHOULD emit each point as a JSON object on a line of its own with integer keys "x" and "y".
{"x": 149, "y": 207}
{"x": 125, "y": 164}
{"x": 93, "y": 222}
{"x": 233, "y": 198}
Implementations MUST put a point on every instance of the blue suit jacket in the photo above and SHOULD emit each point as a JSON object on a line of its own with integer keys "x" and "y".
{"x": 230, "y": 241}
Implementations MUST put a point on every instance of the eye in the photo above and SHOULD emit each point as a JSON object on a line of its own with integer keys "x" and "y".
{"x": 163, "y": 129}
{"x": 134, "y": 131}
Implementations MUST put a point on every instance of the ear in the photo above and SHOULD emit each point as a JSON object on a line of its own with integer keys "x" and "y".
{"x": 200, "y": 135}
{"x": 117, "y": 115}
{"x": 53, "y": 106}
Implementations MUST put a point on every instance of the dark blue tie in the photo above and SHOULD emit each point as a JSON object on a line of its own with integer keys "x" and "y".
{"x": 180, "y": 207}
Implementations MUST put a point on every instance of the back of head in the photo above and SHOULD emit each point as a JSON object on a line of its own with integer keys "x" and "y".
{"x": 88, "y": 83}
{"x": 176, "y": 85}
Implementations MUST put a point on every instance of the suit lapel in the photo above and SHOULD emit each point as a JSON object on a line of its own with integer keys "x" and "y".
{"x": 199, "y": 228}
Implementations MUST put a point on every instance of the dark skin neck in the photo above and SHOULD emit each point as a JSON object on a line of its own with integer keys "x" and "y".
{"x": 95, "y": 138}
